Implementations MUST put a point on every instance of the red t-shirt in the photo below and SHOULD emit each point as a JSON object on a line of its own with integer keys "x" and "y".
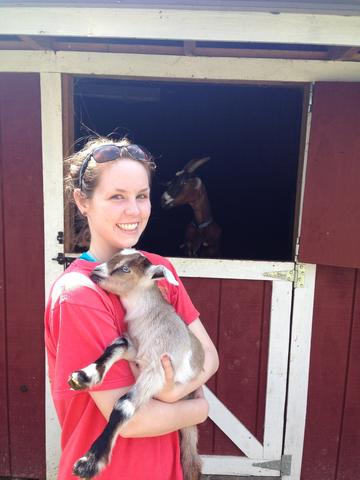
{"x": 81, "y": 319}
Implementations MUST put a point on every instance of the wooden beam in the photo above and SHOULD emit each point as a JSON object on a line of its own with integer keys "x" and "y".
{"x": 180, "y": 67}
{"x": 342, "y": 53}
{"x": 12, "y": 45}
{"x": 351, "y": 54}
{"x": 189, "y": 47}
{"x": 36, "y": 43}
{"x": 118, "y": 48}
{"x": 260, "y": 53}
{"x": 221, "y": 25}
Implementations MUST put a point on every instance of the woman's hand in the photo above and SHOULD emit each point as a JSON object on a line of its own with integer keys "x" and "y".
{"x": 168, "y": 393}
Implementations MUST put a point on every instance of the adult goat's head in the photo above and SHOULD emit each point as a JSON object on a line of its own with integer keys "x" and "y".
{"x": 184, "y": 186}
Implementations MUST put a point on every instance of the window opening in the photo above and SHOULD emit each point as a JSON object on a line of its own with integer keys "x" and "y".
{"x": 251, "y": 134}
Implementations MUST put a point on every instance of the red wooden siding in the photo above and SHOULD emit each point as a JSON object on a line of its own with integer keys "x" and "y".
{"x": 22, "y": 260}
{"x": 330, "y": 233}
{"x": 4, "y": 419}
{"x": 236, "y": 314}
{"x": 332, "y": 438}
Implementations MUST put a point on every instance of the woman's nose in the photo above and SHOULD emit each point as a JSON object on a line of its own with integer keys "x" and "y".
{"x": 132, "y": 208}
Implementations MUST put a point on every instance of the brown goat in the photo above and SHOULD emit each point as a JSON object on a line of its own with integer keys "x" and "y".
{"x": 202, "y": 236}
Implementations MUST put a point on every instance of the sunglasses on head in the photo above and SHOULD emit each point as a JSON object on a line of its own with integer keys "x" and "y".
{"x": 108, "y": 153}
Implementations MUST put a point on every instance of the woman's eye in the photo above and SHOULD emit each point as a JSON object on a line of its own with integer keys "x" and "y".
{"x": 143, "y": 196}
{"x": 117, "y": 197}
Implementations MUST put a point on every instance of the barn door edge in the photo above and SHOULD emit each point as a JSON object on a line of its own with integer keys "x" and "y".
{"x": 298, "y": 376}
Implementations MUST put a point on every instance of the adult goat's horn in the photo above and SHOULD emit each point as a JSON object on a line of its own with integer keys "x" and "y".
{"x": 195, "y": 163}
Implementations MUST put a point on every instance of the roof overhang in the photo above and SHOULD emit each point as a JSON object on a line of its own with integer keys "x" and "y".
{"x": 180, "y": 24}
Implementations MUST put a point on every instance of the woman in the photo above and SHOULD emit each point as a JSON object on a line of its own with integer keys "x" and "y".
{"x": 110, "y": 184}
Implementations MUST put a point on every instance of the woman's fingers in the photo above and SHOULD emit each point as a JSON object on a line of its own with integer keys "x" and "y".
{"x": 167, "y": 366}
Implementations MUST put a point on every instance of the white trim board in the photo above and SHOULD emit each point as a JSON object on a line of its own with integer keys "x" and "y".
{"x": 179, "y": 67}
{"x": 277, "y": 368}
{"x": 230, "y": 269}
{"x": 176, "y": 24}
{"x": 52, "y": 157}
{"x": 299, "y": 365}
{"x": 232, "y": 465}
{"x": 232, "y": 427}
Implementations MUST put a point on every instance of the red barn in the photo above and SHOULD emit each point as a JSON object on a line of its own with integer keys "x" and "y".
{"x": 271, "y": 92}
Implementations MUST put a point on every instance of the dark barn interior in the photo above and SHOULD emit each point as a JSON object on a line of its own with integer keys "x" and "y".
{"x": 252, "y": 134}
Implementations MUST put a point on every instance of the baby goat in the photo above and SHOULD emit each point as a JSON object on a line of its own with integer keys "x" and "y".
{"x": 154, "y": 328}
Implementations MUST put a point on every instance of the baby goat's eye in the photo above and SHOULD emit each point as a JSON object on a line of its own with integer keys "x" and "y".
{"x": 123, "y": 269}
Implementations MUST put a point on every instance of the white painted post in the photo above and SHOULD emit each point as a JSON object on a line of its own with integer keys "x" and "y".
{"x": 299, "y": 371}
{"x": 277, "y": 368}
{"x": 52, "y": 151}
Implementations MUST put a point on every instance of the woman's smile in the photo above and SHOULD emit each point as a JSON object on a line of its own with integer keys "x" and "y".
{"x": 129, "y": 227}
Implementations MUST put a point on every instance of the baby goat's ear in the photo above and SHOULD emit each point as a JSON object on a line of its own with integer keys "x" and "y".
{"x": 159, "y": 271}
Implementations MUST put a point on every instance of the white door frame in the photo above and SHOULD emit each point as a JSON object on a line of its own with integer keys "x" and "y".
{"x": 273, "y": 447}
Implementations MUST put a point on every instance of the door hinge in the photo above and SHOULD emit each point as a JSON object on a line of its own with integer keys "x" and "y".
{"x": 283, "y": 465}
{"x": 60, "y": 237}
{"x": 297, "y": 275}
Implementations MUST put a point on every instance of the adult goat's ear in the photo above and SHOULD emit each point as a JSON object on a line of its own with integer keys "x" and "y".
{"x": 158, "y": 272}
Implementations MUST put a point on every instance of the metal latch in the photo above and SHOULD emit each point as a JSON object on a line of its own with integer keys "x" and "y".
{"x": 62, "y": 259}
{"x": 283, "y": 465}
{"x": 297, "y": 275}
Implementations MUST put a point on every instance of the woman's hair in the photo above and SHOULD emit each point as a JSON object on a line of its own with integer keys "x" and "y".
{"x": 90, "y": 178}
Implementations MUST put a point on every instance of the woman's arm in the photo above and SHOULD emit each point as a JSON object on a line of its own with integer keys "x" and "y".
{"x": 155, "y": 417}
{"x": 173, "y": 392}
{"x": 167, "y": 412}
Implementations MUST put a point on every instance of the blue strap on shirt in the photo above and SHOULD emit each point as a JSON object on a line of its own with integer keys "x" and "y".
{"x": 87, "y": 256}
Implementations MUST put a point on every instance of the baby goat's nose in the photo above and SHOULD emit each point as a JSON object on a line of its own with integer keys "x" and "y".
{"x": 99, "y": 273}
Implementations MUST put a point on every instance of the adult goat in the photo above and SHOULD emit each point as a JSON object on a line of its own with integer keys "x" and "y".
{"x": 202, "y": 235}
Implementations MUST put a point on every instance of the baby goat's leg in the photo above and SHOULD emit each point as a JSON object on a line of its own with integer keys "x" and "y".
{"x": 148, "y": 384}
{"x": 93, "y": 374}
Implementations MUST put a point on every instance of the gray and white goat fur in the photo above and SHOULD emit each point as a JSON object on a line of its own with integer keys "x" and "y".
{"x": 154, "y": 328}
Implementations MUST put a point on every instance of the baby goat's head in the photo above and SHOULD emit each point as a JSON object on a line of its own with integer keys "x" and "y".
{"x": 129, "y": 269}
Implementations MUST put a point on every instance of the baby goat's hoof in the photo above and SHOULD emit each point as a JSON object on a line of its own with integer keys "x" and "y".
{"x": 85, "y": 378}
{"x": 79, "y": 380}
{"x": 87, "y": 466}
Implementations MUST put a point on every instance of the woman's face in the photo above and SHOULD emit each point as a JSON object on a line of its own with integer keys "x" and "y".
{"x": 119, "y": 209}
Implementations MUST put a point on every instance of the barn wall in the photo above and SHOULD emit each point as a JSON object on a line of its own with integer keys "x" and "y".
{"x": 332, "y": 440}
{"x": 22, "y": 441}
